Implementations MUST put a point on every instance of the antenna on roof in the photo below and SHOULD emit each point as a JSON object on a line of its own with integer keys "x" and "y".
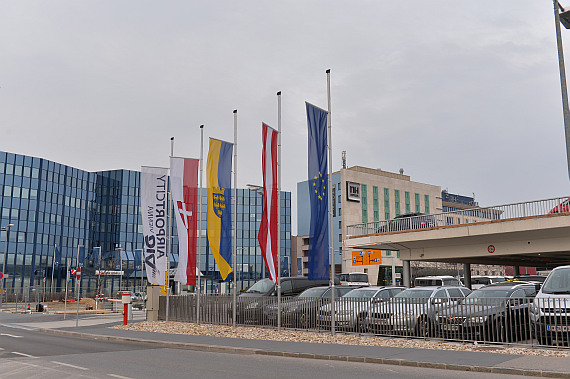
{"x": 401, "y": 171}
{"x": 344, "y": 159}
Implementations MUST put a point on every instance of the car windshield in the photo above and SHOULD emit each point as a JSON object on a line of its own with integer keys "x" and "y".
{"x": 483, "y": 296}
{"x": 414, "y": 296}
{"x": 313, "y": 292}
{"x": 558, "y": 282}
{"x": 263, "y": 286}
{"x": 358, "y": 278}
{"x": 360, "y": 292}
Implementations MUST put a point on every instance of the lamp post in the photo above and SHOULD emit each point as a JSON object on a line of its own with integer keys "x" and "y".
{"x": 5, "y": 228}
{"x": 564, "y": 18}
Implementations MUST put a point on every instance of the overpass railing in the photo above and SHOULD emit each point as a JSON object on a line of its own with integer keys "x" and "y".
{"x": 418, "y": 221}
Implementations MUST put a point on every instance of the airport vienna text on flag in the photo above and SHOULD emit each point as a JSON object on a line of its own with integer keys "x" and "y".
{"x": 184, "y": 187}
{"x": 81, "y": 256}
{"x": 153, "y": 210}
{"x": 219, "y": 225}
{"x": 268, "y": 233}
{"x": 57, "y": 256}
{"x": 318, "y": 194}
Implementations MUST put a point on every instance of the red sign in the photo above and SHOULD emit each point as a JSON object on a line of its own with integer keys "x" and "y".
{"x": 78, "y": 274}
{"x": 491, "y": 249}
{"x": 73, "y": 271}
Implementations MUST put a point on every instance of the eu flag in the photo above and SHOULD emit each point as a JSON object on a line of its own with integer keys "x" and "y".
{"x": 318, "y": 194}
{"x": 80, "y": 256}
{"x": 57, "y": 256}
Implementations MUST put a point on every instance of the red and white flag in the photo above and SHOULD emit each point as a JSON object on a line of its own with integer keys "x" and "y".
{"x": 184, "y": 182}
{"x": 268, "y": 233}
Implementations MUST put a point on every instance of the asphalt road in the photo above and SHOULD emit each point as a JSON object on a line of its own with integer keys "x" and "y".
{"x": 27, "y": 353}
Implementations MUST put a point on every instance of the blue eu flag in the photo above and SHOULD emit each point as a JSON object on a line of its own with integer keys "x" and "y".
{"x": 57, "y": 256}
{"x": 318, "y": 194}
{"x": 80, "y": 256}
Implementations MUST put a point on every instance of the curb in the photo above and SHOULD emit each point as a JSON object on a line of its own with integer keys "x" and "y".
{"x": 342, "y": 358}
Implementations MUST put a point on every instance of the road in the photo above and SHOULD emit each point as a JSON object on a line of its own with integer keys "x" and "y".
{"x": 32, "y": 354}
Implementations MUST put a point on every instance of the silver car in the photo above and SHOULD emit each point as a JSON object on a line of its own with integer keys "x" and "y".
{"x": 351, "y": 310}
{"x": 413, "y": 311}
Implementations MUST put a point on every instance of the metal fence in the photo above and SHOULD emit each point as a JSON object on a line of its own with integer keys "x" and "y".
{"x": 467, "y": 216}
{"x": 522, "y": 321}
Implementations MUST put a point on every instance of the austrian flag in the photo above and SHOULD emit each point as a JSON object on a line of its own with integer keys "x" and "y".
{"x": 184, "y": 182}
{"x": 268, "y": 233}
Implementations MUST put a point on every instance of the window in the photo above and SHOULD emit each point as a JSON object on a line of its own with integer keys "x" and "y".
{"x": 397, "y": 202}
{"x": 417, "y": 200}
{"x": 375, "y": 203}
{"x": 364, "y": 203}
{"x": 426, "y": 205}
{"x": 386, "y": 204}
{"x": 407, "y": 200}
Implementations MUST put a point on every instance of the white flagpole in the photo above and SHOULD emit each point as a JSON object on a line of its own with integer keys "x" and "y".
{"x": 235, "y": 222}
{"x": 53, "y": 268}
{"x": 198, "y": 271}
{"x": 169, "y": 242}
{"x": 278, "y": 210}
{"x": 330, "y": 203}
{"x": 66, "y": 281}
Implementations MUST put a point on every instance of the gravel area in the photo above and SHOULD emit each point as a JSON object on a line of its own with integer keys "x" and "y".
{"x": 346, "y": 339}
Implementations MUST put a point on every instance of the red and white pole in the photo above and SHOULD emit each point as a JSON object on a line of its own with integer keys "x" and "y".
{"x": 126, "y": 300}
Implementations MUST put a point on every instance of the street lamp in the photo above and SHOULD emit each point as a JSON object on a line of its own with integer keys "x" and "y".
{"x": 5, "y": 228}
{"x": 564, "y": 18}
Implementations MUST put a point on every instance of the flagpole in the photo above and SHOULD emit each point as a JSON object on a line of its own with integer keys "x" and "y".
{"x": 330, "y": 202}
{"x": 278, "y": 210}
{"x": 198, "y": 271}
{"x": 235, "y": 222}
{"x": 53, "y": 268}
{"x": 66, "y": 281}
{"x": 169, "y": 242}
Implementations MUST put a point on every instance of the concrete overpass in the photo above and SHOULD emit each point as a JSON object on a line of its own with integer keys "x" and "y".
{"x": 535, "y": 233}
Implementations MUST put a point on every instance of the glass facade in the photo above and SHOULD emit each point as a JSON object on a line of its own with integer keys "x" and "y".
{"x": 52, "y": 204}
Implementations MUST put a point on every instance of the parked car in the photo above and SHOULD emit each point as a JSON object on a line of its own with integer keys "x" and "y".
{"x": 497, "y": 312}
{"x": 408, "y": 221}
{"x": 301, "y": 311}
{"x": 413, "y": 311}
{"x": 479, "y": 281}
{"x": 550, "y": 316}
{"x": 352, "y": 309}
{"x": 443, "y": 280}
{"x": 263, "y": 293}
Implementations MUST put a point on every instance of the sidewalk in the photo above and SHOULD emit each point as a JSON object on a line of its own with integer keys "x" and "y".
{"x": 99, "y": 327}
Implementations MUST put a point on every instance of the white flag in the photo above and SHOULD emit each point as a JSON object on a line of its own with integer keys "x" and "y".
{"x": 154, "y": 205}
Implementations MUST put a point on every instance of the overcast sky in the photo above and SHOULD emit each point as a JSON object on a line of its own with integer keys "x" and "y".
{"x": 460, "y": 94}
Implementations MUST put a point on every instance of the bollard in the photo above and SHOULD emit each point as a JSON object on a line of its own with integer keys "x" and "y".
{"x": 126, "y": 300}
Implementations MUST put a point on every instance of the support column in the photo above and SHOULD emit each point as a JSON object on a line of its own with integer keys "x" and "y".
{"x": 516, "y": 271}
{"x": 467, "y": 275}
{"x": 406, "y": 274}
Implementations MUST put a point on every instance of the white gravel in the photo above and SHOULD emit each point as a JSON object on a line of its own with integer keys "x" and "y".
{"x": 346, "y": 339}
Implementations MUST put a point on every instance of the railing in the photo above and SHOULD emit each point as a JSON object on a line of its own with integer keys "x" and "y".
{"x": 467, "y": 216}
{"x": 521, "y": 321}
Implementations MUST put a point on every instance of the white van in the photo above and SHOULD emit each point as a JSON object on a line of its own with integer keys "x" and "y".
{"x": 444, "y": 280}
{"x": 550, "y": 314}
{"x": 353, "y": 279}
{"x": 479, "y": 281}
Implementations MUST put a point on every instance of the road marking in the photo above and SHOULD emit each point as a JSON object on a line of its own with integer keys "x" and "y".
{"x": 119, "y": 376}
{"x": 24, "y": 355}
{"x": 10, "y": 335}
{"x": 68, "y": 365}
{"x": 16, "y": 326}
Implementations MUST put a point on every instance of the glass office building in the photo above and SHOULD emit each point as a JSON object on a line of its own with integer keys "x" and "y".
{"x": 44, "y": 204}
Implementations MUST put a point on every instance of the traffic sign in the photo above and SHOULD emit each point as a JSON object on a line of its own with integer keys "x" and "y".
{"x": 1, "y": 275}
{"x": 78, "y": 273}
